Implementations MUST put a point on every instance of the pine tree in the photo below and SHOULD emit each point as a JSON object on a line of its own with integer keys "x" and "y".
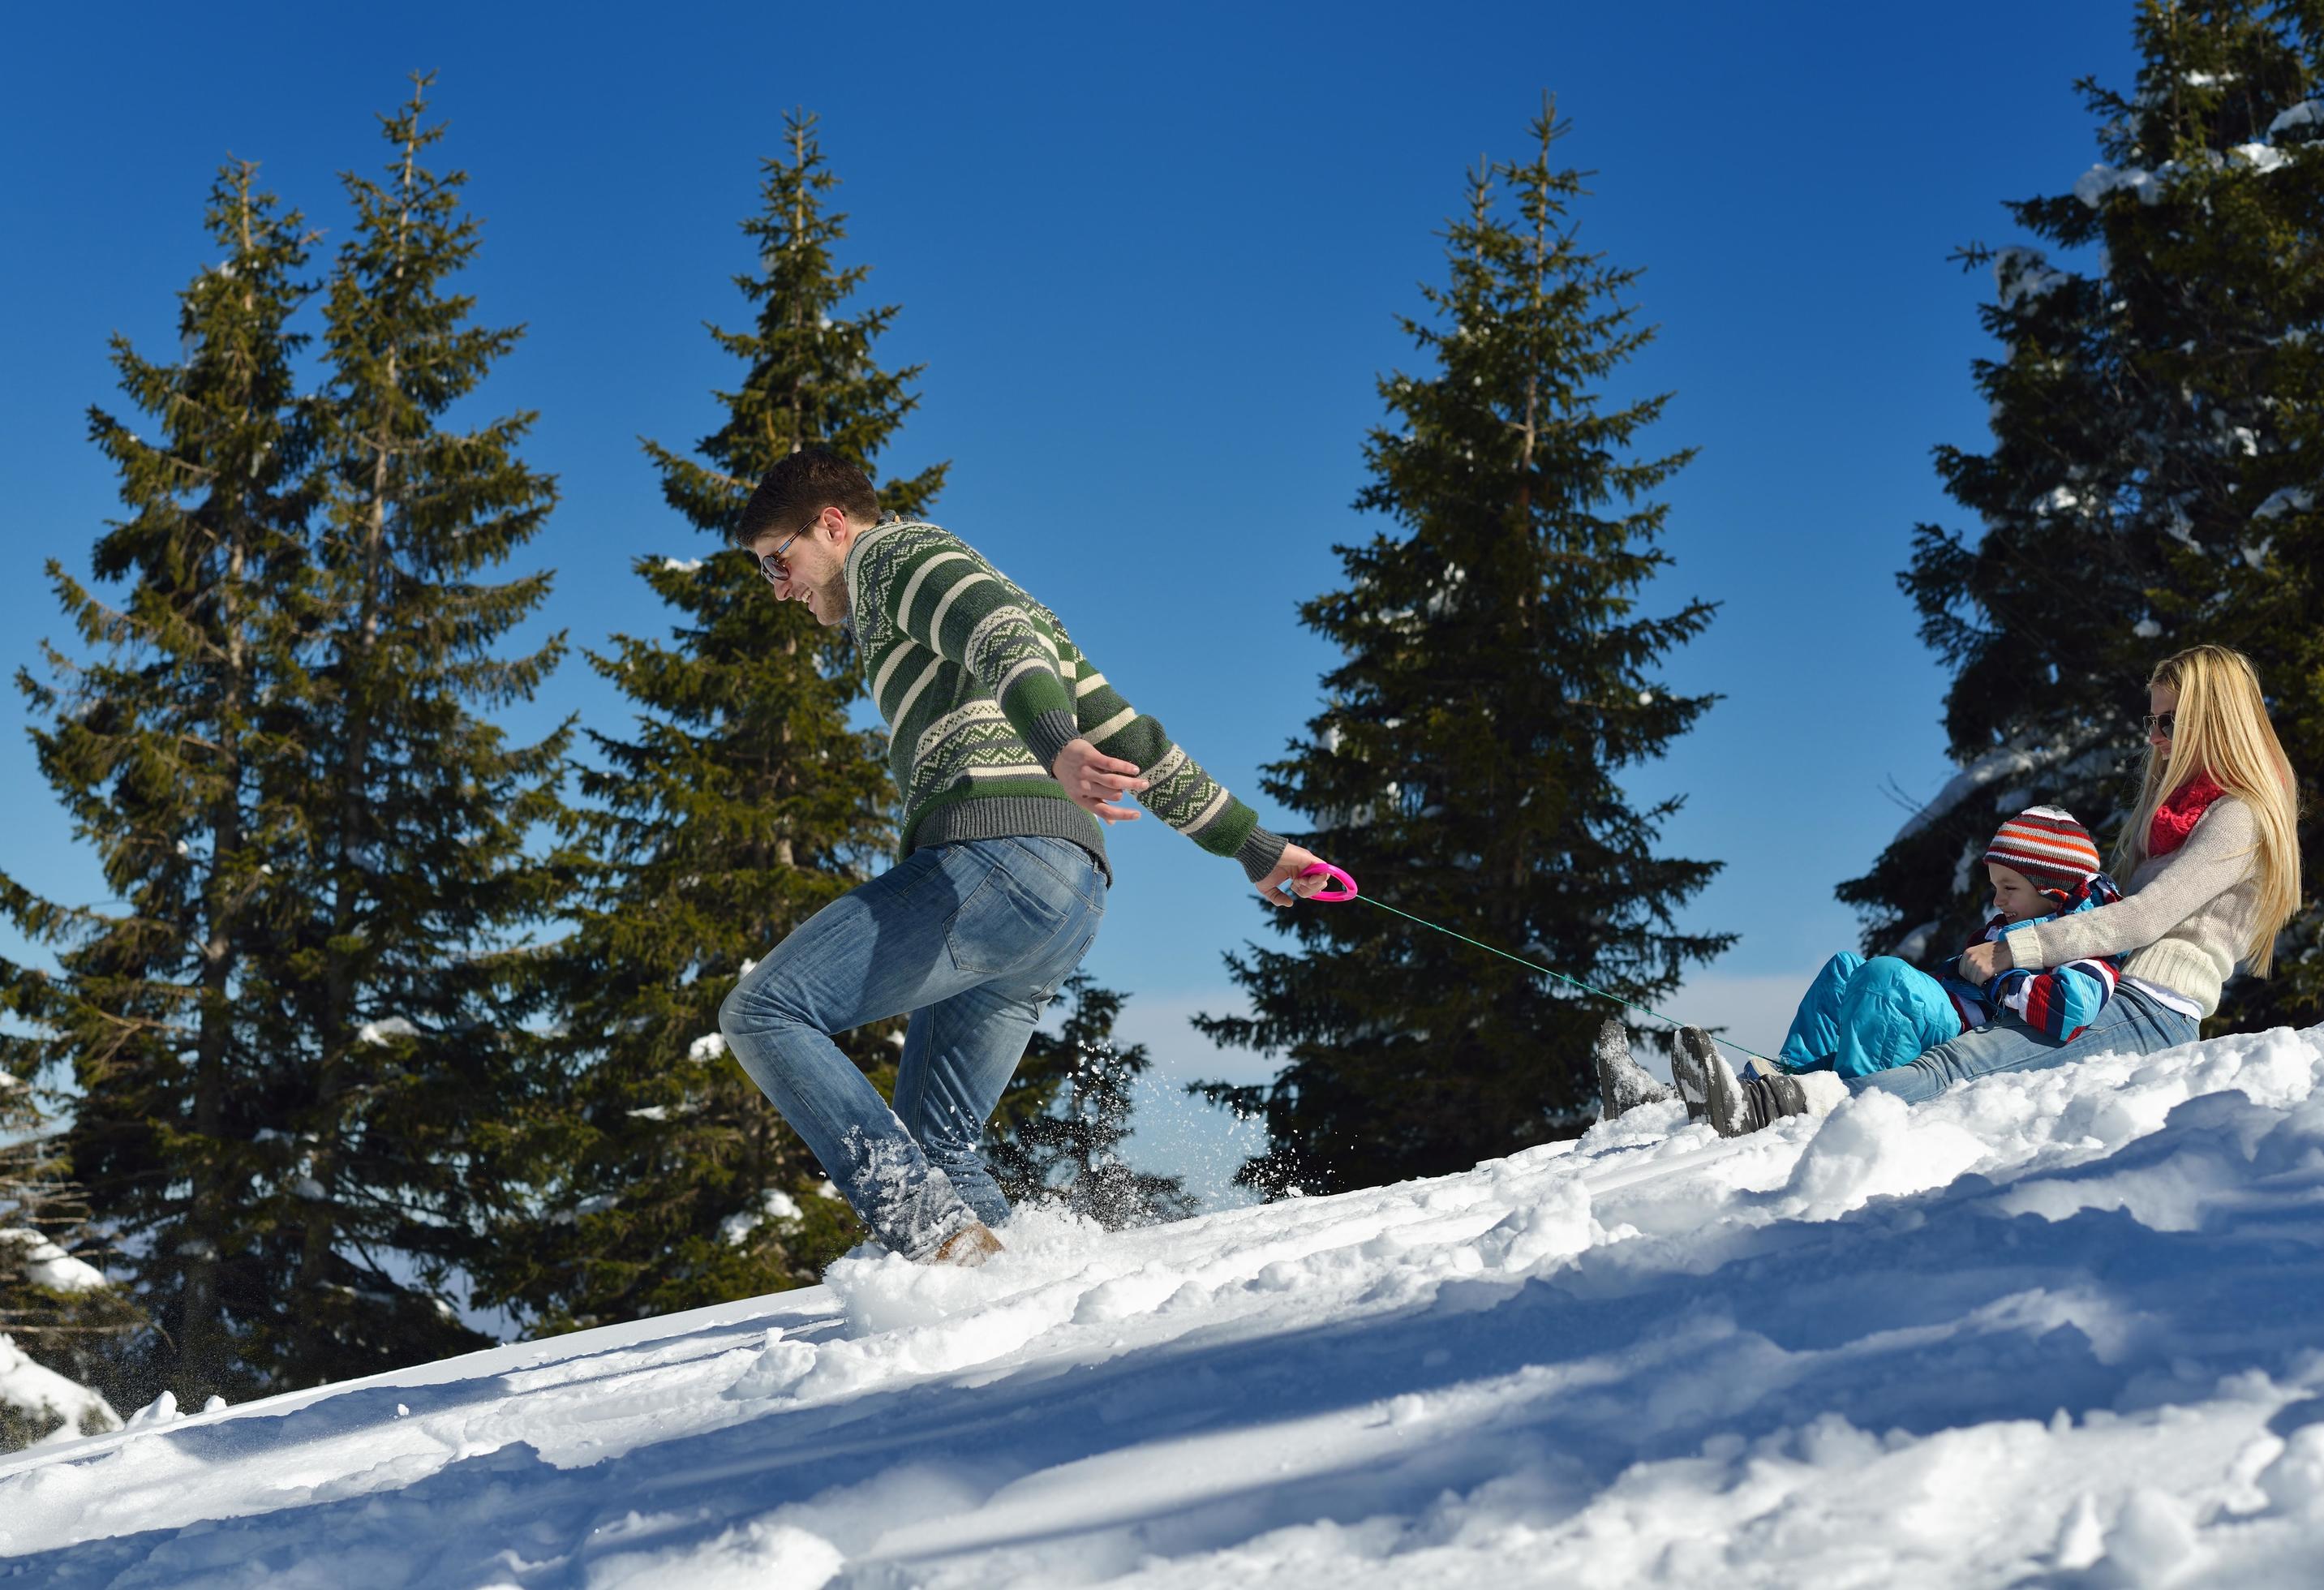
{"x": 2151, "y": 482}
{"x": 409, "y": 981}
{"x": 1057, "y": 1137}
{"x": 1495, "y": 679}
{"x": 175, "y": 747}
{"x": 743, "y": 803}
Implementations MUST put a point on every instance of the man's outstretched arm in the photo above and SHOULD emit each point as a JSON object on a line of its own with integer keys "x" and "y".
{"x": 1092, "y": 780}
{"x": 946, "y": 597}
{"x": 1128, "y": 752}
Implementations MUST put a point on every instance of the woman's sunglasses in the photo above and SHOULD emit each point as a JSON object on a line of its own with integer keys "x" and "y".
{"x": 2157, "y": 723}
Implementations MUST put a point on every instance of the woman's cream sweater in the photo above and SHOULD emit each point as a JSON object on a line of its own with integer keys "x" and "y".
{"x": 2183, "y": 923}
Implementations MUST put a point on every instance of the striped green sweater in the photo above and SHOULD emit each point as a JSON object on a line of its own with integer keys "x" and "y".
{"x": 982, "y": 688}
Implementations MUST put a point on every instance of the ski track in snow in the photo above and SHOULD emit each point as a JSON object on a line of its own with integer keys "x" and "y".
{"x": 2055, "y": 1328}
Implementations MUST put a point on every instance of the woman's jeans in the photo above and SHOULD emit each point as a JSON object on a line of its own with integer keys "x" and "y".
{"x": 2132, "y": 1023}
{"x": 972, "y": 939}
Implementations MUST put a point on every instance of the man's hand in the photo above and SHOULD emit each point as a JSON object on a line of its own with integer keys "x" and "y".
{"x": 1984, "y": 962}
{"x": 1285, "y": 877}
{"x": 1090, "y": 779}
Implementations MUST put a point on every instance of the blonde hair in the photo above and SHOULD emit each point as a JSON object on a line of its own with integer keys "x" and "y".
{"x": 2221, "y": 728}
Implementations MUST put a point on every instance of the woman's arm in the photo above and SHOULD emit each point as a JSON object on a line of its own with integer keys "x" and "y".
{"x": 2218, "y": 856}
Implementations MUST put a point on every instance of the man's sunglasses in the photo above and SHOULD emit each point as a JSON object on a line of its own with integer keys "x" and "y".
{"x": 774, "y": 564}
{"x": 2161, "y": 723}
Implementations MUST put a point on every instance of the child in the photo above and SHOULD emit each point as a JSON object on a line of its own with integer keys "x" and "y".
{"x": 1861, "y": 1016}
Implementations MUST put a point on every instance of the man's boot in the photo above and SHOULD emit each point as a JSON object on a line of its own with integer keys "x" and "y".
{"x": 968, "y": 1247}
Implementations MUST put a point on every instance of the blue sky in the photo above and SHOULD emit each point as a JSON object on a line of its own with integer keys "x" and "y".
{"x": 1152, "y": 261}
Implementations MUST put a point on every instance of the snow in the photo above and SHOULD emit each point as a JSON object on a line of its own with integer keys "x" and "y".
{"x": 775, "y": 1206}
{"x": 2307, "y": 113}
{"x": 708, "y": 1046}
{"x": 2290, "y": 499}
{"x": 2093, "y": 185}
{"x": 1914, "y": 945}
{"x": 2056, "y": 1326}
{"x": 682, "y": 565}
{"x": 1986, "y": 771}
{"x": 2023, "y": 273}
{"x": 386, "y": 1031}
{"x": 49, "y": 1266}
{"x": 37, "y": 1390}
{"x": 2181, "y": 529}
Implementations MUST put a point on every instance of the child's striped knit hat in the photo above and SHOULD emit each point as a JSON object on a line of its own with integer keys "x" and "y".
{"x": 2048, "y": 846}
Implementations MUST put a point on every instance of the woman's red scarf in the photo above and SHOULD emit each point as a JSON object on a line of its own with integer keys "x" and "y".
{"x": 2181, "y": 810}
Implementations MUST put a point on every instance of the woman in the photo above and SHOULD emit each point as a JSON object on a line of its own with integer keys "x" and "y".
{"x": 2210, "y": 860}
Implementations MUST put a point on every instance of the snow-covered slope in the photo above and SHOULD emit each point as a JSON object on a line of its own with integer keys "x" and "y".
{"x": 2055, "y": 1328}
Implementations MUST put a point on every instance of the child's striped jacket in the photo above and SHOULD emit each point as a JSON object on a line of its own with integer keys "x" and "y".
{"x": 2060, "y": 1001}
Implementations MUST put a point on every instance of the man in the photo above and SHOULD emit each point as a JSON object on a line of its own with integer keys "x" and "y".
{"x": 1011, "y": 750}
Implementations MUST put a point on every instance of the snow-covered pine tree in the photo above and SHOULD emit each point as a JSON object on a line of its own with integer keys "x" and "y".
{"x": 175, "y": 743}
{"x": 58, "y": 1310}
{"x": 743, "y": 803}
{"x": 63, "y": 1323}
{"x": 1057, "y": 1134}
{"x": 415, "y": 886}
{"x": 2158, "y": 421}
{"x": 1497, "y": 676}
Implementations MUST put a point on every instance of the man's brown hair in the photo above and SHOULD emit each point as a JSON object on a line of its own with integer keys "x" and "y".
{"x": 801, "y": 486}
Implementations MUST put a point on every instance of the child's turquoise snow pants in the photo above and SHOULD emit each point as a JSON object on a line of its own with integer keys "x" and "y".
{"x": 1861, "y": 1016}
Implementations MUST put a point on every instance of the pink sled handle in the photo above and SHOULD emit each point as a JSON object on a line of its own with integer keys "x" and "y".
{"x": 1348, "y": 890}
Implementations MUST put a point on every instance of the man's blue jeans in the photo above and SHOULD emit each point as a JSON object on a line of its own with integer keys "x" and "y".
{"x": 2132, "y": 1023}
{"x": 972, "y": 938}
